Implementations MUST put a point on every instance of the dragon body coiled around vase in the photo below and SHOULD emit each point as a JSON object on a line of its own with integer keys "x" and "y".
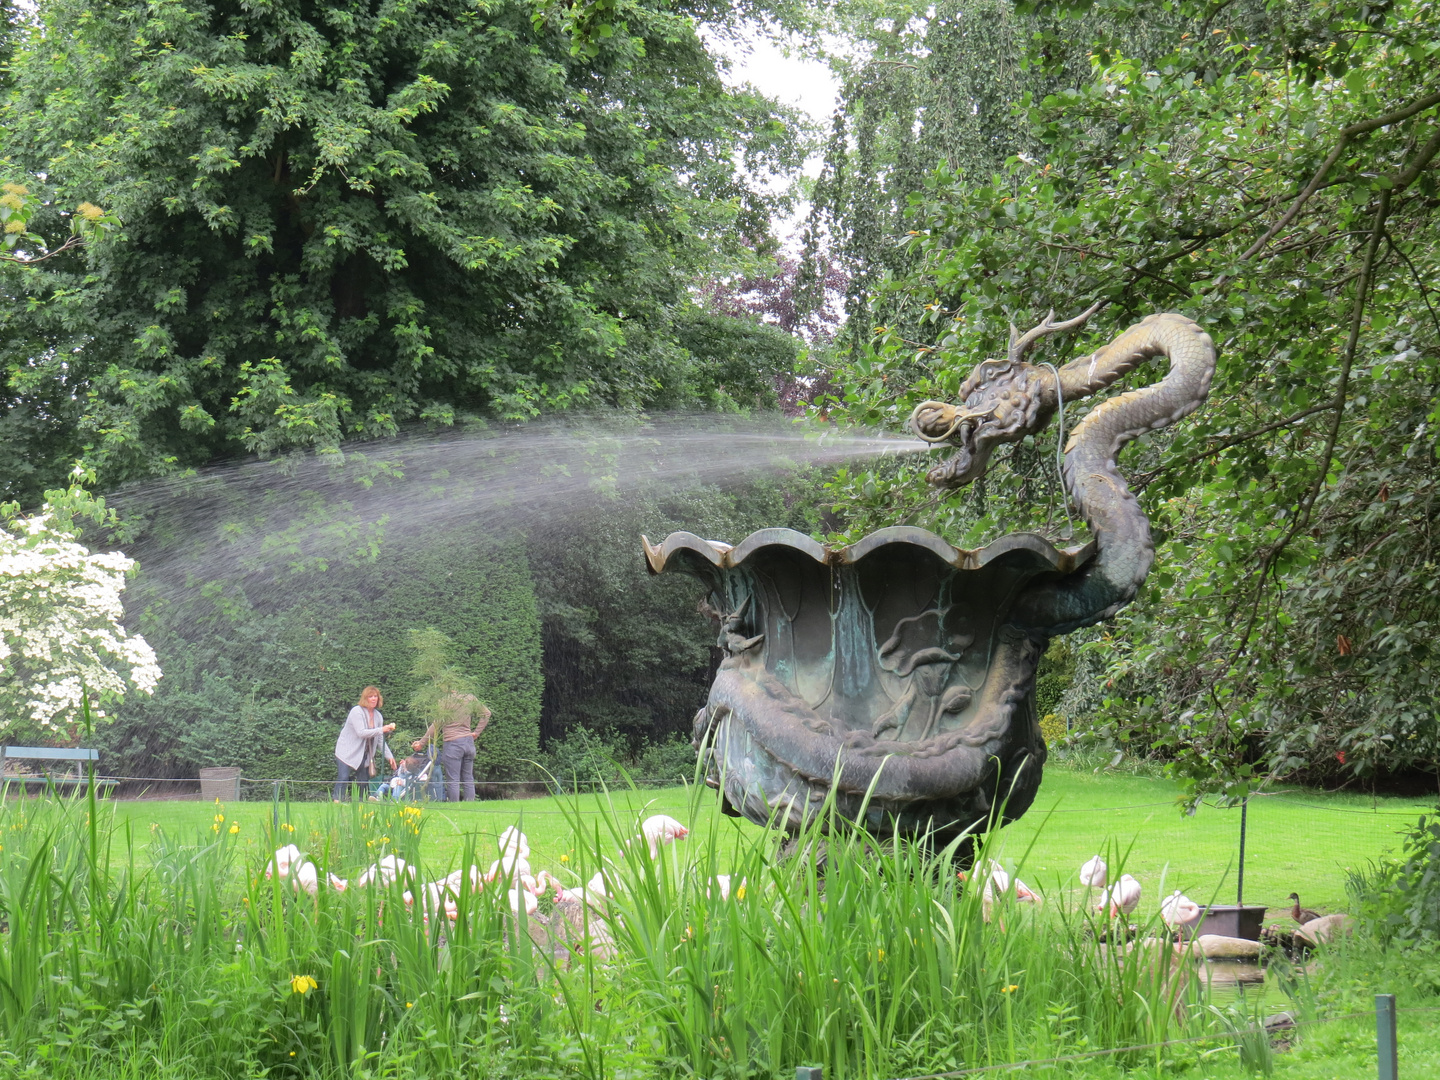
{"x": 1005, "y": 400}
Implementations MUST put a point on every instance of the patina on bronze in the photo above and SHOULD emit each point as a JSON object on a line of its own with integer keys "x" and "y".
{"x": 905, "y": 667}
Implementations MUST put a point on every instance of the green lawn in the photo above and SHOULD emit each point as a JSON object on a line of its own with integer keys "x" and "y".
{"x": 1295, "y": 842}
{"x": 213, "y": 958}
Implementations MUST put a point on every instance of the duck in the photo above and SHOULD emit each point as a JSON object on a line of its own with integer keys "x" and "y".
{"x": 1299, "y": 914}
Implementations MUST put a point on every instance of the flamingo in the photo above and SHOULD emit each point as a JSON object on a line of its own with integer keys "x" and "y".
{"x": 510, "y": 865}
{"x": 290, "y": 862}
{"x": 385, "y": 871}
{"x": 660, "y": 830}
{"x": 592, "y": 893}
{"x": 514, "y": 842}
{"x": 1092, "y": 874}
{"x": 282, "y": 860}
{"x": 996, "y": 882}
{"x": 1025, "y": 894}
{"x": 454, "y": 881}
{"x": 1178, "y": 911}
{"x": 1124, "y": 896}
{"x": 542, "y": 883}
{"x": 525, "y": 897}
{"x": 305, "y": 876}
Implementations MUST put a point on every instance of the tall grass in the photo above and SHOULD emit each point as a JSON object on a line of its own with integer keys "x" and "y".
{"x": 177, "y": 955}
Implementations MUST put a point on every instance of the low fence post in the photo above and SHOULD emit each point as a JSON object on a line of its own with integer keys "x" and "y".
{"x": 809, "y": 1072}
{"x": 1385, "y": 1044}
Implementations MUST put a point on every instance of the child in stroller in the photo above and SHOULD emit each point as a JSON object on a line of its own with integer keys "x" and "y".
{"x": 408, "y": 781}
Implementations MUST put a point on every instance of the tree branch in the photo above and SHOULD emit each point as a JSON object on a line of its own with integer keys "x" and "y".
{"x": 1346, "y": 134}
{"x": 72, "y": 242}
{"x": 1419, "y": 281}
{"x": 1142, "y": 479}
{"x": 1307, "y": 501}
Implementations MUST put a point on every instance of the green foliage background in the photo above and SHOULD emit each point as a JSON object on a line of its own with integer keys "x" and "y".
{"x": 261, "y": 675}
{"x": 1287, "y": 630}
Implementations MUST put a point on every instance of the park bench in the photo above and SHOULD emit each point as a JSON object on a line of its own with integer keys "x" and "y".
{"x": 74, "y": 774}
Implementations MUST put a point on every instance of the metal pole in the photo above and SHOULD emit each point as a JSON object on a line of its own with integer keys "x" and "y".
{"x": 274, "y": 807}
{"x": 1240, "y": 877}
{"x": 1387, "y": 1052}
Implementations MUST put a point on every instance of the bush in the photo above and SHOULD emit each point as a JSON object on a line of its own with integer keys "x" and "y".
{"x": 582, "y": 760}
{"x": 1399, "y": 899}
{"x": 673, "y": 759}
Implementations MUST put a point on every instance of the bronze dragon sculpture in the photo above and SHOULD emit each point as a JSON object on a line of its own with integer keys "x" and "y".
{"x": 1006, "y": 400}
{"x": 897, "y": 673}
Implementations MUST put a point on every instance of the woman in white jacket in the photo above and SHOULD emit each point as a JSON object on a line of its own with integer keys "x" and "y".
{"x": 355, "y": 748}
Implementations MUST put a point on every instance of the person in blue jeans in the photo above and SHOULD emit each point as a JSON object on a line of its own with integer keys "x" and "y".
{"x": 361, "y": 737}
{"x": 457, "y": 739}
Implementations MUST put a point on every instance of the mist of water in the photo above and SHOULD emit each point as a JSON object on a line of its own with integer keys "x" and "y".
{"x": 260, "y": 516}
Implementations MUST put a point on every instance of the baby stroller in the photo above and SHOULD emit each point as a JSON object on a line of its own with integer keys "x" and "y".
{"x": 408, "y": 781}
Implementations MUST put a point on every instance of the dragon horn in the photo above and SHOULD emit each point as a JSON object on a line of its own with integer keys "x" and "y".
{"x": 1020, "y": 345}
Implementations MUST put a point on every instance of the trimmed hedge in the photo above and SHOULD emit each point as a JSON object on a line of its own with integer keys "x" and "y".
{"x": 261, "y": 675}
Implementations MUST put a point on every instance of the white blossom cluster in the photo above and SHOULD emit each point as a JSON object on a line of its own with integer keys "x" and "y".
{"x": 60, "y": 630}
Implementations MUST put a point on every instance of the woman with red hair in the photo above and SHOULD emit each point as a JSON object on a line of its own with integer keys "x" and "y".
{"x": 355, "y": 748}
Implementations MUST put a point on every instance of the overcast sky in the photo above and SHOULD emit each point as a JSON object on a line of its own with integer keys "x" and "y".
{"x": 793, "y": 79}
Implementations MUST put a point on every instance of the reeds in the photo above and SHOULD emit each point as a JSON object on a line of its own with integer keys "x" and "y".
{"x": 126, "y": 955}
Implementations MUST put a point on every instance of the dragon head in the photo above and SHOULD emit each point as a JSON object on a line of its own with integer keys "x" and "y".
{"x": 1001, "y": 405}
{"x": 1004, "y": 400}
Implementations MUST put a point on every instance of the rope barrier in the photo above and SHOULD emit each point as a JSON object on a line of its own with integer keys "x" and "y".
{"x": 610, "y": 785}
{"x": 567, "y": 787}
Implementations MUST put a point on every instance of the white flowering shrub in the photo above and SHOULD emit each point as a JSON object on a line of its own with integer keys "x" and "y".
{"x": 60, "y": 611}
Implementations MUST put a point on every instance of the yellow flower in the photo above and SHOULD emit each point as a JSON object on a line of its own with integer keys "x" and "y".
{"x": 234, "y": 828}
{"x": 292, "y": 1053}
{"x": 880, "y": 955}
{"x": 14, "y": 226}
{"x": 15, "y": 189}
{"x": 219, "y": 817}
{"x": 302, "y": 984}
{"x": 89, "y": 211}
{"x": 564, "y": 858}
{"x": 740, "y": 892}
{"x": 287, "y": 826}
{"x": 1010, "y": 989}
{"x": 409, "y": 1004}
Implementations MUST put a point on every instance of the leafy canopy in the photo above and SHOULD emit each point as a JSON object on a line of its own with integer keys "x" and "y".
{"x": 344, "y": 218}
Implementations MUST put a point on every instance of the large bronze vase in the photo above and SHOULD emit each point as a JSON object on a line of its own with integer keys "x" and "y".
{"x": 886, "y": 667}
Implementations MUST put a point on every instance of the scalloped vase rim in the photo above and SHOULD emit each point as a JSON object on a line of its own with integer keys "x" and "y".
{"x": 725, "y": 556}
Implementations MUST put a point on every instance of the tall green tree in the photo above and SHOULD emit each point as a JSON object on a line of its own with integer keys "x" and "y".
{"x": 931, "y": 85}
{"x": 1276, "y": 181}
{"x": 344, "y": 218}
